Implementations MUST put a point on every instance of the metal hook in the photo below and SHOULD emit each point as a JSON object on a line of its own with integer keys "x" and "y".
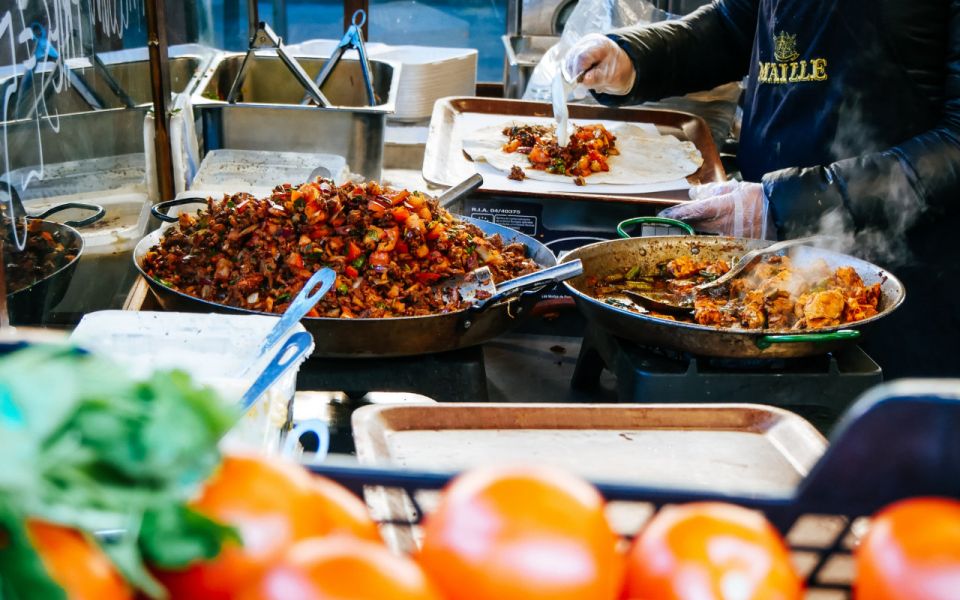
{"x": 363, "y": 18}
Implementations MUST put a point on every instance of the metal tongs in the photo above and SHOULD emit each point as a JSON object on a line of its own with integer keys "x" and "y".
{"x": 352, "y": 39}
{"x": 265, "y": 37}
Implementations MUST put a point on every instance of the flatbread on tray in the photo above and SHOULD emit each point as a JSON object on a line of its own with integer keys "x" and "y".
{"x": 644, "y": 157}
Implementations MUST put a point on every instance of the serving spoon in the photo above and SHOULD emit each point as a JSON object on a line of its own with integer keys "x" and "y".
{"x": 683, "y": 303}
{"x": 562, "y": 86}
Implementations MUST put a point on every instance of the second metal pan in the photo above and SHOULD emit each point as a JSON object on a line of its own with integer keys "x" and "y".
{"x": 603, "y": 258}
{"x": 401, "y": 336}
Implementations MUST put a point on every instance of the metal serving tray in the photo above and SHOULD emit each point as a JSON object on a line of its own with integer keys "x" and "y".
{"x": 268, "y": 115}
{"x": 444, "y": 162}
{"x": 723, "y": 448}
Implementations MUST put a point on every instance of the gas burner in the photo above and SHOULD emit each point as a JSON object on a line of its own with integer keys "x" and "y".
{"x": 818, "y": 388}
{"x": 457, "y": 376}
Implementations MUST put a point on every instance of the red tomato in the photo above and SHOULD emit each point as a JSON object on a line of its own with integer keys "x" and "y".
{"x": 426, "y": 277}
{"x": 351, "y": 271}
{"x": 76, "y": 564}
{"x": 912, "y": 551}
{"x": 517, "y": 533}
{"x": 400, "y": 214}
{"x": 705, "y": 550}
{"x": 272, "y": 504}
{"x": 353, "y": 251}
{"x": 436, "y": 231}
{"x": 379, "y": 259}
{"x": 295, "y": 260}
{"x": 399, "y": 197}
{"x": 342, "y": 568}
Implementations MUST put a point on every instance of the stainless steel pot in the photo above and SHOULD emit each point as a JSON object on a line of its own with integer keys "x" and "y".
{"x": 604, "y": 258}
{"x": 400, "y": 336}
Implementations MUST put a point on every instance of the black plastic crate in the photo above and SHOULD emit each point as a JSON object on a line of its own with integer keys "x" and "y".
{"x": 897, "y": 441}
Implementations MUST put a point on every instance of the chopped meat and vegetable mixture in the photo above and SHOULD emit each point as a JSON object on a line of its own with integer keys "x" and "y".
{"x": 586, "y": 153}
{"x": 390, "y": 249}
{"x": 772, "y": 294}
{"x": 44, "y": 254}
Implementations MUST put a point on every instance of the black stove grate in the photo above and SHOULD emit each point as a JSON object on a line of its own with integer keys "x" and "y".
{"x": 819, "y": 388}
{"x": 456, "y": 376}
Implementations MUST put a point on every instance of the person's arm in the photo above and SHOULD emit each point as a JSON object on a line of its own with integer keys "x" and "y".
{"x": 884, "y": 190}
{"x": 706, "y": 48}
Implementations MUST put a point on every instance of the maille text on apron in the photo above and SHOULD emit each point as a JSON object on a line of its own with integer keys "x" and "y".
{"x": 787, "y": 69}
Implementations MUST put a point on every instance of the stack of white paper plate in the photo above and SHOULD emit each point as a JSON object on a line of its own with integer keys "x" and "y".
{"x": 429, "y": 73}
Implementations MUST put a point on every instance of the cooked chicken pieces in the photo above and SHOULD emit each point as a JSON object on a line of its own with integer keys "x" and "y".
{"x": 773, "y": 294}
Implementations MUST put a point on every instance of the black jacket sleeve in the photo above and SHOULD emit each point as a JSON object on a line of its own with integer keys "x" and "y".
{"x": 884, "y": 191}
{"x": 708, "y": 47}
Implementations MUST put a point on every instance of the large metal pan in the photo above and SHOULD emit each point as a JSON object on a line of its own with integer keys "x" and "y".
{"x": 30, "y": 305}
{"x": 400, "y": 336}
{"x": 604, "y": 258}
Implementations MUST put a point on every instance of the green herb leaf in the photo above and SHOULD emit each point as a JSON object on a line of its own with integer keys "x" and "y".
{"x": 22, "y": 574}
{"x": 176, "y": 536}
{"x": 83, "y": 445}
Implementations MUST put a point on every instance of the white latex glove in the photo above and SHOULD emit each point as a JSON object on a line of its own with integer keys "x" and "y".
{"x": 734, "y": 208}
{"x": 610, "y": 69}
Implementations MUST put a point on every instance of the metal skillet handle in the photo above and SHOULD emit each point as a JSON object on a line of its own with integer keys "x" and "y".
{"x": 98, "y": 213}
{"x": 461, "y": 190}
{"x": 534, "y": 281}
{"x": 622, "y": 225}
{"x": 843, "y": 335}
{"x": 159, "y": 209}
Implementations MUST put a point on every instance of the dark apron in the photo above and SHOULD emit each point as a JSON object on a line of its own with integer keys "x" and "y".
{"x": 824, "y": 86}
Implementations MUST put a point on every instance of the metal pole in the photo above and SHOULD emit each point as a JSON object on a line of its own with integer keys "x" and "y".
{"x": 280, "y": 18}
{"x": 160, "y": 90}
{"x": 253, "y": 18}
{"x": 4, "y": 314}
{"x": 352, "y": 6}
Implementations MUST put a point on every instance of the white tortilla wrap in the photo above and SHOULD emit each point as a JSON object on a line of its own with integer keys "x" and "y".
{"x": 644, "y": 157}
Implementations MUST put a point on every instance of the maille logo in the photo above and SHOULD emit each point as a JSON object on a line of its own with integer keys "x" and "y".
{"x": 785, "y": 47}
{"x": 787, "y": 69}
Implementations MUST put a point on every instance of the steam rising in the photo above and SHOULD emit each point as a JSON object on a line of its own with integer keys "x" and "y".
{"x": 884, "y": 186}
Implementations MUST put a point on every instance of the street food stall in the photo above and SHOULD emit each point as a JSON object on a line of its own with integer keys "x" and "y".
{"x": 342, "y": 318}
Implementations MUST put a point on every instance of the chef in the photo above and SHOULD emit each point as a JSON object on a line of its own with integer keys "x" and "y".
{"x": 851, "y": 127}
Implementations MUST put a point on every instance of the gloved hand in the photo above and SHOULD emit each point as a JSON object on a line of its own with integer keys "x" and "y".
{"x": 610, "y": 69}
{"x": 735, "y": 208}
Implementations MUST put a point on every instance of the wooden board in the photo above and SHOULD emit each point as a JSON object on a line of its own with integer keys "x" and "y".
{"x": 445, "y": 164}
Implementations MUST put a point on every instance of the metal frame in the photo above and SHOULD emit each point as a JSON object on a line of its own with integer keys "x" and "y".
{"x": 160, "y": 90}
